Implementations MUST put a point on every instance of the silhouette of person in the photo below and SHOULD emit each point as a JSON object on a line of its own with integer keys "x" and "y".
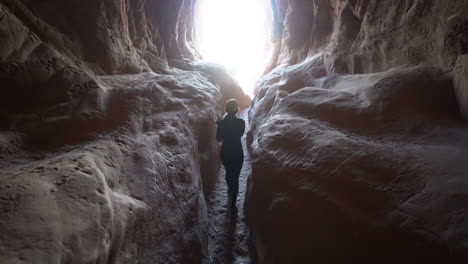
{"x": 230, "y": 130}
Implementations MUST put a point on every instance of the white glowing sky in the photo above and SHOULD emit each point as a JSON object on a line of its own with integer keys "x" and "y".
{"x": 235, "y": 33}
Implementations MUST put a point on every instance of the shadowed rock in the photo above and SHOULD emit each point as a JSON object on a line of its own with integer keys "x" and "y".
{"x": 357, "y": 142}
{"x": 107, "y": 127}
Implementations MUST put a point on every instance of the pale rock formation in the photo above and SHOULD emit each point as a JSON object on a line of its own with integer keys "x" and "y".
{"x": 361, "y": 36}
{"x": 105, "y": 147}
{"x": 358, "y": 146}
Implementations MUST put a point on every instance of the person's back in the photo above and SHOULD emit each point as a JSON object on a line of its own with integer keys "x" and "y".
{"x": 230, "y": 131}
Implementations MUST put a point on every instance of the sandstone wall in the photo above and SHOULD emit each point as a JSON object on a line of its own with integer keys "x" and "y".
{"x": 357, "y": 141}
{"x": 360, "y": 36}
{"x": 106, "y": 132}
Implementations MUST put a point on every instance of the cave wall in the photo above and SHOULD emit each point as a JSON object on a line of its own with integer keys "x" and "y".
{"x": 111, "y": 37}
{"x": 358, "y": 135}
{"x": 106, "y": 132}
{"x": 371, "y": 36}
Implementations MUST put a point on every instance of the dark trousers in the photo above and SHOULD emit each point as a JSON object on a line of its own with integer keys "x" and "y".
{"x": 233, "y": 167}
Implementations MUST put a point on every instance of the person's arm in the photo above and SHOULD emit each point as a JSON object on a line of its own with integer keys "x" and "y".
{"x": 219, "y": 131}
{"x": 242, "y": 127}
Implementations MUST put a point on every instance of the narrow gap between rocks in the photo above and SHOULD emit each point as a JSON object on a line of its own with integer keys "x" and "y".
{"x": 236, "y": 34}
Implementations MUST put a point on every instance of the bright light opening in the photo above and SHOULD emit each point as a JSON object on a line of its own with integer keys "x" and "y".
{"x": 236, "y": 34}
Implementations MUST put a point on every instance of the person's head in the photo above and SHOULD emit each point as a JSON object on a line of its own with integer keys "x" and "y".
{"x": 231, "y": 107}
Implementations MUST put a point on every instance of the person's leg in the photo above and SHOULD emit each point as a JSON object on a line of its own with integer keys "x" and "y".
{"x": 227, "y": 169}
{"x": 234, "y": 178}
{"x": 231, "y": 182}
{"x": 228, "y": 177}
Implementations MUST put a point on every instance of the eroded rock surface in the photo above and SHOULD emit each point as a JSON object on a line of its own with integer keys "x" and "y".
{"x": 362, "y": 36}
{"x": 106, "y": 141}
{"x": 357, "y": 142}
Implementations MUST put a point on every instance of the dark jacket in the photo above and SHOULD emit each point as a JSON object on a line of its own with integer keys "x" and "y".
{"x": 230, "y": 130}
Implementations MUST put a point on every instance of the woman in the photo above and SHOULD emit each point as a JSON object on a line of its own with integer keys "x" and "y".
{"x": 230, "y": 130}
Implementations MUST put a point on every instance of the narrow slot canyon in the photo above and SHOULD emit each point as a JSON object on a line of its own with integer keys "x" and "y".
{"x": 354, "y": 151}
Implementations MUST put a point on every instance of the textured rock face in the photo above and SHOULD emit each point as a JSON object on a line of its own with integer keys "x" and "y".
{"x": 370, "y": 35}
{"x": 128, "y": 188}
{"x": 105, "y": 148}
{"x": 358, "y": 145}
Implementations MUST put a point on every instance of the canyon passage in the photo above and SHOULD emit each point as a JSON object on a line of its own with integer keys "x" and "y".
{"x": 356, "y": 139}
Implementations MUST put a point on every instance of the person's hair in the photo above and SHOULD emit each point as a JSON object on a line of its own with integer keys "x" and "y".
{"x": 231, "y": 106}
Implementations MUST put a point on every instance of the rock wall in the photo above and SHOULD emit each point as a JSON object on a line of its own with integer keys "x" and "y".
{"x": 106, "y": 132}
{"x": 361, "y": 36}
{"x": 357, "y": 141}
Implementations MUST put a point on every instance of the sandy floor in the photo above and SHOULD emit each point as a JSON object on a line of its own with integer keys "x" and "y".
{"x": 228, "y": 235}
